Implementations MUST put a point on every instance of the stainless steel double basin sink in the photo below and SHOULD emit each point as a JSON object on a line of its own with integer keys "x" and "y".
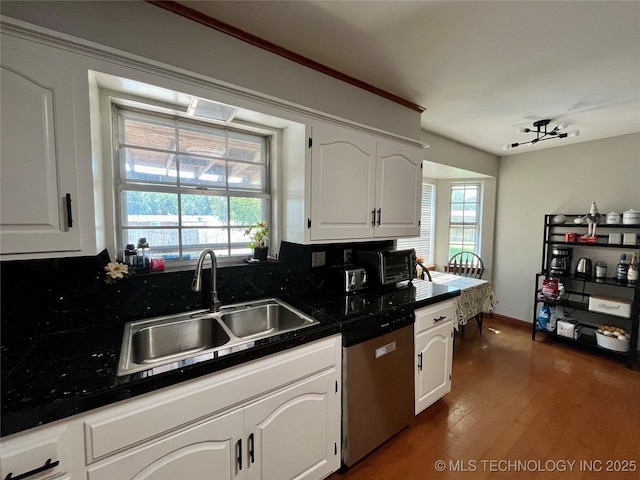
{"x": 162, "y": 341}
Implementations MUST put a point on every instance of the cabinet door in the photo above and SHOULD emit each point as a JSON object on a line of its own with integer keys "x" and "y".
{"x": 434, "y": 356}
{"x": 295, "y": 433}
{"x": 342, "y": 184}
{"x": 398, "y": 190}
{"x": 210, "y": 450}
{"x": 42, "y": 448}
{"x": 38, "y": 159}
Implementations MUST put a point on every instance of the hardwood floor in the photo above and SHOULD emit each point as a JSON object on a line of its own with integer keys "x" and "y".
{"x": 519, "y": 409}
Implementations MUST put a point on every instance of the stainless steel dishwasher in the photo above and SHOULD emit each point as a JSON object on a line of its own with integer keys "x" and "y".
{"x": 378, "y": 390}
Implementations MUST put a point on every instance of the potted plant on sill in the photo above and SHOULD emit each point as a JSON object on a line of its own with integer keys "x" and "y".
{"x": 258, "y": 239}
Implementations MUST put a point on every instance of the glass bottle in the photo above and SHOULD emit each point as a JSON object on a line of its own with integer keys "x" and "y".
{"x": 143, "y": 253}
{"x": 130, "y": 255}
{"x": 622, "y": 268}
{"x": 632, "y": 272}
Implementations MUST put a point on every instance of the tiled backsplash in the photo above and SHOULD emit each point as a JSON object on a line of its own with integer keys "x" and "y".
{"x": 54, "y": 295}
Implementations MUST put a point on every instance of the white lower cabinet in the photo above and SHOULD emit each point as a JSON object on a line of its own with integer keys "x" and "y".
{"x": 274, "y": 418}
{"x": 38, "y": 454}
{"x": 433, "y": 353}
{"x": 206, "y": 451}
{"x": 294, "y": 433}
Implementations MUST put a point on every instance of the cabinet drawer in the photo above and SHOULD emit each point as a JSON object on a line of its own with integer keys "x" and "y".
{"x": 136, "y": 420}
{"x": 432, "y": 315}
{"x": 41, "y": 449}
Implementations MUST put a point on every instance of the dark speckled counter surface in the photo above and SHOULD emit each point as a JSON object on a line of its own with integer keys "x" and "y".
{"x": 64, "y": 374}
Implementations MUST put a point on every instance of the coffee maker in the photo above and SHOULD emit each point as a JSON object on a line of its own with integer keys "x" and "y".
{"x": 560, "y": 261}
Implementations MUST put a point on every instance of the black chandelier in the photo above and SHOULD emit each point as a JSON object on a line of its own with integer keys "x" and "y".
{"x": 542, "y": 133}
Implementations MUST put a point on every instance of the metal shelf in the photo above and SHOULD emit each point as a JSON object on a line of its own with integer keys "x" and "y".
{"x": 589, "y": 341}
{"x": 553, "y": 230}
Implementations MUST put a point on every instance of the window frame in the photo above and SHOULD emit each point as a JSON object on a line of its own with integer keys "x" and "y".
{"x": 477, "y": 224}
{"x": 121, "y": 184}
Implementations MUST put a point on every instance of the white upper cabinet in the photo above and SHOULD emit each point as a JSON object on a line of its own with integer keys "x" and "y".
{"x": 51, "y": 192}
{"x": 398, "y": 190}
{"x": 343, "y": 172}
{"x": 360, "y": 186}
{"x": 38, "y": 159}
{"x": 334, "y": 182}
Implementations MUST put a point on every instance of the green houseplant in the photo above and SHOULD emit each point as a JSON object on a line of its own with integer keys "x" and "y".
{"x": 258, "y": 239}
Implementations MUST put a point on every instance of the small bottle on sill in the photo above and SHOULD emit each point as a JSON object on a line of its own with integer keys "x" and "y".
{"x": 143, "y": 253}
{"x": 130, "y": 255}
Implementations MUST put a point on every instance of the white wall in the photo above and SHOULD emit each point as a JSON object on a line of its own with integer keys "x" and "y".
{"x": 462, "y": 157}
{"x": 153, "y": 33}
{"x": 556, "y": 180}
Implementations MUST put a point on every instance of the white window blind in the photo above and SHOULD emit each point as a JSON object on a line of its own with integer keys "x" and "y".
{"x": 423, "y": 245}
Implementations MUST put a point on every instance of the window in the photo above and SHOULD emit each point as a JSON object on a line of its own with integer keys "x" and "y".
{"x": 464, "y": 222}
{"x": 185, "y": 185}
{"x": 423, "y": 245}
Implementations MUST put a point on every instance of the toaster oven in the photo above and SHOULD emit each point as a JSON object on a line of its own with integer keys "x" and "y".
{"x": 388, "y": 266}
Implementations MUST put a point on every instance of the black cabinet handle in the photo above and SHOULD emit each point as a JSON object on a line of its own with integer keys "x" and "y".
{"x": 420, "y": 361}
{"x": 69, "y": 217}
{"x": 239, "y": 451}
{"x": 251, "y": 449}
{"x": 379, "y": 210}
{"x": 47, "y": 465}
{"x": 373, "y": 217}
{"x": 441, "y": 317}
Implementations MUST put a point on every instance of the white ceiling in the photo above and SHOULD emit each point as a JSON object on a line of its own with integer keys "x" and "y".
{"x": 480, "y": 68}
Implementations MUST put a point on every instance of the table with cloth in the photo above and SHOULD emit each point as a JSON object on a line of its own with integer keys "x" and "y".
{"x": 476, "y": 296}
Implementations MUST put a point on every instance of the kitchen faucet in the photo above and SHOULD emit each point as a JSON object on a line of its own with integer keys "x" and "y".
{"x": 196, "y": 284}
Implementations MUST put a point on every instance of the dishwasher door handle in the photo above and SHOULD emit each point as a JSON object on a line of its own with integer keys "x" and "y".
{"x": 385, "y": 349}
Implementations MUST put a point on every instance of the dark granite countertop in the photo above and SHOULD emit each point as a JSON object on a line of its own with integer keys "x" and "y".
{"x": 59, "y": 375}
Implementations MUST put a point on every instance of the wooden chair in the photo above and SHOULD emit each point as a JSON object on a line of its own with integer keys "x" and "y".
{"x": 467, "y": 264}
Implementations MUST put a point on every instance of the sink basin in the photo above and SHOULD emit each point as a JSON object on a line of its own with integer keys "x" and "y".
{"x": 166, "y": 341}
{"x": 263, "y": 320}
{"x": 162, "y": 341}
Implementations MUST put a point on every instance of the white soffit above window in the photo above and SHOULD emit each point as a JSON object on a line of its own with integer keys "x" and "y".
{"x": 163, "y": 100}
{"x": 439, "y": 171}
